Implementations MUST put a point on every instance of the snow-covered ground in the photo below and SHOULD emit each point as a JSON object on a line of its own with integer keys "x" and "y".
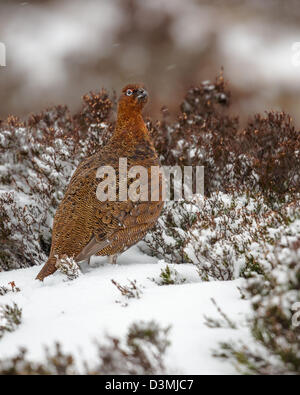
{"x": 76, "y": 313}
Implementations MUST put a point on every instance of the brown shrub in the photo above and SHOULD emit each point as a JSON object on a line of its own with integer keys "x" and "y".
{"x": 38, "y": 157}
{"x": 272, "y": 145}
{"x": 265, "y": 156}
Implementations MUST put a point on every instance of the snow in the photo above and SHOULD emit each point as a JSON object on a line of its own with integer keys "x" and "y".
{"x": 65, "y": 29}
{"x": 86, "y": 29}
{"x": 268, "y": 53}
{"x": 78, "y": 312}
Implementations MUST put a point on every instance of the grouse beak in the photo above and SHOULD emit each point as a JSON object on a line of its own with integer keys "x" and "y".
{"x": 142, "y": 95}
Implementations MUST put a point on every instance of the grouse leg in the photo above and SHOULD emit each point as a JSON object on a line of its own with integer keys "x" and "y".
{"x": 112, "y": 259}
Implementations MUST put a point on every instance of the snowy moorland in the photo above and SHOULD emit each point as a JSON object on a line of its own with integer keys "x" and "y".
{"x": 78, "y": 313}
{"x": 213, "y": 288}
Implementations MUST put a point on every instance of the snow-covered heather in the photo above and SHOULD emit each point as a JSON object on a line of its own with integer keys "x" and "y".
{"x": 77, "y": 312}
{"x": 225, "y": 235}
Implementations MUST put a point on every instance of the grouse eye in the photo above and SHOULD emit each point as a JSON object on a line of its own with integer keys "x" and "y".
{"x": 129, "y": 92}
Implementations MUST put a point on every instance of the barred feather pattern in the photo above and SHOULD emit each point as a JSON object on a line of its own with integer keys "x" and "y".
{"x": 112, "y": 226}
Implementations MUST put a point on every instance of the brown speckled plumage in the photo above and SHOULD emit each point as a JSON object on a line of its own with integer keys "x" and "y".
{"x": 83, "y": 225}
